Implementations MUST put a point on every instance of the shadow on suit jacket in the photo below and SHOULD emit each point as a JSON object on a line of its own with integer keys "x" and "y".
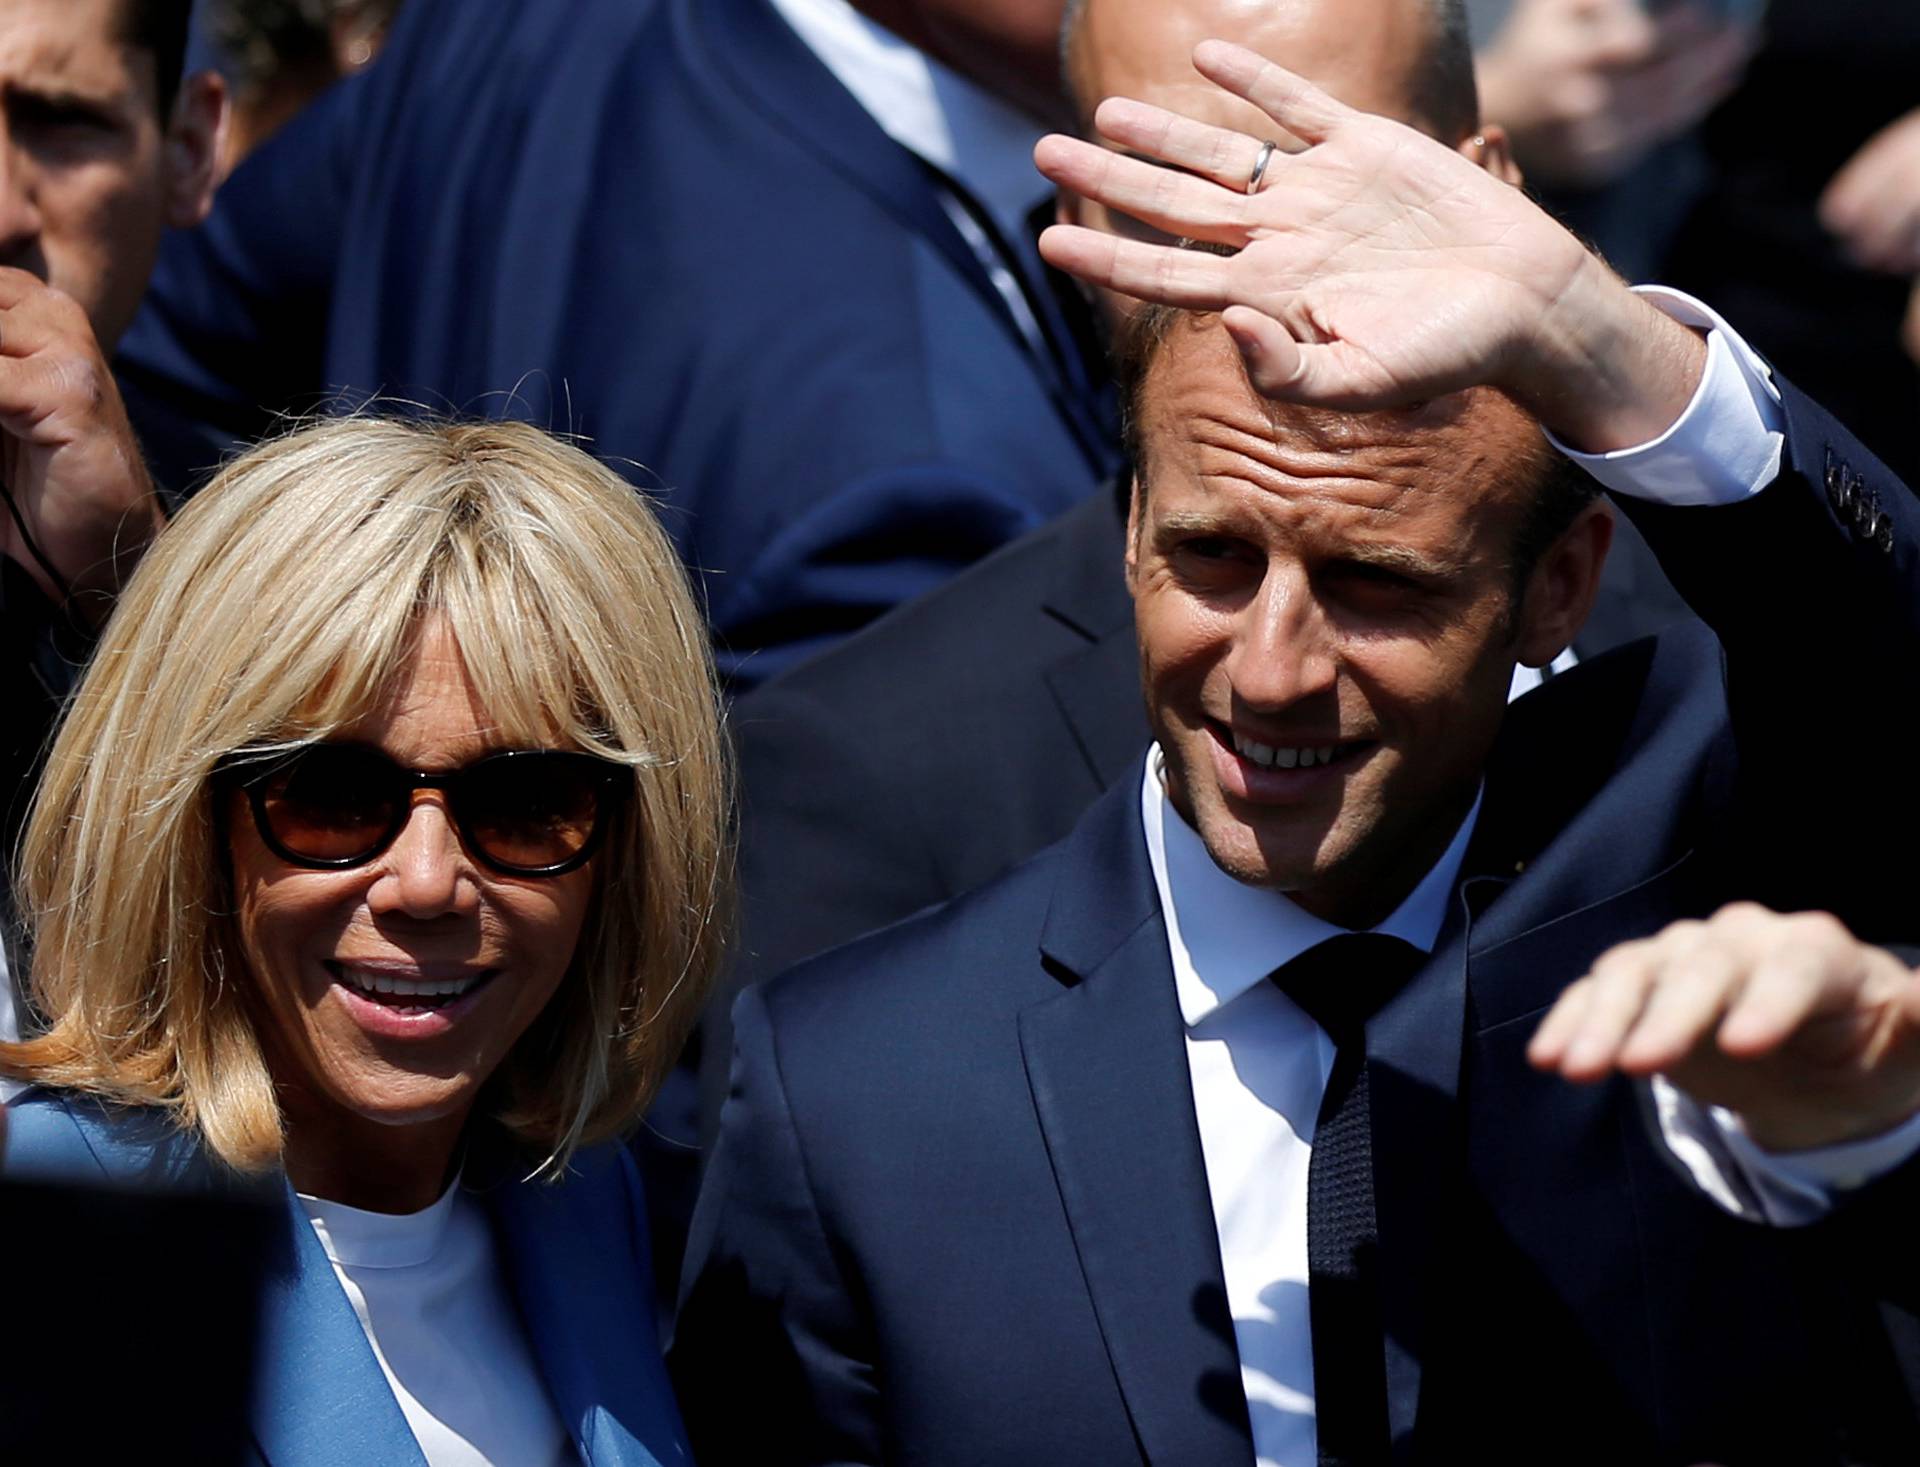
{"x": 575, "y": 1255}
{"x": 662, "y": 224}
{"x": 958, "y": 1212}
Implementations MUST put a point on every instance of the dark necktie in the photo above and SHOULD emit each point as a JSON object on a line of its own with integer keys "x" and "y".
{"x": 1340, "y": 984}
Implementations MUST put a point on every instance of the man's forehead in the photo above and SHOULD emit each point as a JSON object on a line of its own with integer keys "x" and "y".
{"x": 76, "y": 43}
{"x": 1365, "y": 52}
{"x": 1202, "y": 422}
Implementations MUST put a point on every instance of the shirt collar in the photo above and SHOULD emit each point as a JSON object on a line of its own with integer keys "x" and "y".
{"x": 1225, "y": 937}
{"x": 937, "y": 114}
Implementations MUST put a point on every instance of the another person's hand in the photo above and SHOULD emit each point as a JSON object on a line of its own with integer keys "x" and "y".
{"x": 1807, "y": 1034}
{"x": 68, "y": 455}
{"x": 1374, "y": 268}
{"x": 1587, "y": 88}
{"x": 1873, "y": 204}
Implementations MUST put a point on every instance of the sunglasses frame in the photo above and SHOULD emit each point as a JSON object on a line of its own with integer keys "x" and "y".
{"x": 253, "y": 773}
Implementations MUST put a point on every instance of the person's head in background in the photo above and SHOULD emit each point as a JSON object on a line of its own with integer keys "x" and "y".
{"x": 279, "y": 55}
{"x": 1405, "y": 59}
{"x": 106, "y": 145}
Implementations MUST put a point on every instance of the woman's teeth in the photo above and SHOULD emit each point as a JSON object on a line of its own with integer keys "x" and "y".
{"x": 426, "y": 992}
{"x": 1267, "y": 756}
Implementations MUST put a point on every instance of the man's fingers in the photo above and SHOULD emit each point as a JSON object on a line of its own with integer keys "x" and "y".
{"x": 1175, "y": 203}
{"x": 1292, "y": 101}
{"x": 1549, "y": 1043}
{"x": 1192, "y": 279}
{"x": 1274, "y": 359}
{"x": 1686, "y": 1003}
{"x": 1621, "y": 983}
{"x": 1225, "y": 157}
{"x": 1790, "y": 985}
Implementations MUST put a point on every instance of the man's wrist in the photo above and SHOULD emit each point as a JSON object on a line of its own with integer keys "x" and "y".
{"x": 1605, "y": 370}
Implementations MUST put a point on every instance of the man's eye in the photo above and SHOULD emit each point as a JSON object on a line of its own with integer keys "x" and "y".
{"x": 1209, "y": 547}
{"x": 33, "y": 112}
{"x": 1375, "y": 578}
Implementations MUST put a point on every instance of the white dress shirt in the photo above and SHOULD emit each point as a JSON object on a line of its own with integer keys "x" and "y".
{"x": 1259, "y": 1065}
{"x": 979, "y": 141}
{"x": 9, "y": 1025}
{"x": 431, "y": 1297}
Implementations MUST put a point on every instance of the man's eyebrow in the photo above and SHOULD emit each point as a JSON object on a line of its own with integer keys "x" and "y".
{"x": 1403, "y": 560}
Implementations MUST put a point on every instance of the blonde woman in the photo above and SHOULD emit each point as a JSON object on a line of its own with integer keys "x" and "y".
{"x": 383, "y": 857}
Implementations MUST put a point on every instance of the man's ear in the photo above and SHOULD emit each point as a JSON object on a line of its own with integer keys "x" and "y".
{"x": 1492, "y": 149}
{"x": 194, "y": 142}
{"x": 1561, "y": 589}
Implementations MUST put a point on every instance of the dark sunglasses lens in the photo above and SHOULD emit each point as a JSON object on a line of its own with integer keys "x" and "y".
{"x": 331, "y": 803}
{"x": 529, "y": 811}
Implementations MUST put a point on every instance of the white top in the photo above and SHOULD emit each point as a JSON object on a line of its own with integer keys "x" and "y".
{"x": 1259, "y": 1065}
{"x": 430, "y": 1295}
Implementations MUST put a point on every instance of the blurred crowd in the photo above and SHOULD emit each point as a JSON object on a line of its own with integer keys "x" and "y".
{"x": 527, "y": 522}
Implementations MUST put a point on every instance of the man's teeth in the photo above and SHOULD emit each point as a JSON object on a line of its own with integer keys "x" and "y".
{"x": 408, "y": 987}
{"x": 1269, "y": 757}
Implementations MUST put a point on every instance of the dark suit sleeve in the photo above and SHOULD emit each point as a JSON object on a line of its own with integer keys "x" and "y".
{"x": 1813, "y": 588}
{"x": 233, "y": 328}
{"x": 770, "y": 1358}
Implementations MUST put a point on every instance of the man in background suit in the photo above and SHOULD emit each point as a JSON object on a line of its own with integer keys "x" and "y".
{"x": 766, "y": 256}
{"x": 1039, "y": 1177}
{"x": 106, "y": 146}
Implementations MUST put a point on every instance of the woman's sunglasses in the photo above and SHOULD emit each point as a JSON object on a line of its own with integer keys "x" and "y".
{"x": 532, "y": 812}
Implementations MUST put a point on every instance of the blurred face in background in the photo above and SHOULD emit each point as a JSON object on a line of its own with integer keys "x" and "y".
{"x": 90, "y": 175}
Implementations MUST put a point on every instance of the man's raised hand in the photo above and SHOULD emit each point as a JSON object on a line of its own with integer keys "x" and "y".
{"x": 1810, "y": 1036}
{"x": 1374, "y": 267}
{"x": 68, "y": 455}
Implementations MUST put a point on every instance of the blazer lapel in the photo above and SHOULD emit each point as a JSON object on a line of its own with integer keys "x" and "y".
{"x": 588, "y": 1312}
{"x": 321, "y": 1399}
{"x": 773, "y": 72}
{"x": 1097, "y": 687}
{"x": 1107, "y": 1068}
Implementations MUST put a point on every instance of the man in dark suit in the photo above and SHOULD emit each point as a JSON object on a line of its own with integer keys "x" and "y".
{"x": 937, "y": 749}
{"x": 107, "y": 145}
{"x": 1055, "y": 1174}
{"x": 668, "y": 226}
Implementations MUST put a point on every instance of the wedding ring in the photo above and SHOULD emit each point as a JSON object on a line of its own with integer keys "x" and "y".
{"x": 1267, "y": 150}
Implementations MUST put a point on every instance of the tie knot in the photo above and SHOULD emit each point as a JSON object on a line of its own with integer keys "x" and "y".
{"x": 1343, "y": 982}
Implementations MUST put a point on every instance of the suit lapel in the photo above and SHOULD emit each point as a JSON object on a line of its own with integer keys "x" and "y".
{"x": 587, "y": 1315}
{"x": 1097, "y": 687}
{"x": 321, "y": 1399}
{"x": 1107, "y": 1068}
{"x": 773, "y": 72}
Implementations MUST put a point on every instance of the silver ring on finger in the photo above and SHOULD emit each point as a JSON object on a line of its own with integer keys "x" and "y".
{"x": 1267, "y": 150}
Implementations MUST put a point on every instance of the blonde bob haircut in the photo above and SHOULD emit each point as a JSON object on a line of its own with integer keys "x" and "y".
{"x": 273, "y": 612}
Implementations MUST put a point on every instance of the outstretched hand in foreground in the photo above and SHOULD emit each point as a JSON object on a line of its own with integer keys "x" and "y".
{"x": 1374, "y": 267}
{"x": 1809, "y": 1035}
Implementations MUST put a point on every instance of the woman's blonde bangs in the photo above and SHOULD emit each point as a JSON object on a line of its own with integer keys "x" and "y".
{"x": 277, "y": 609}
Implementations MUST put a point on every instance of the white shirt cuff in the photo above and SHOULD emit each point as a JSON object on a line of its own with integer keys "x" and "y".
{"x": 1729, "y": 443}
{"x": 1786, "y": 1189}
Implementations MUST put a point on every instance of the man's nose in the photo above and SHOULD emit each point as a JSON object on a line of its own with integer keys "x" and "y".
{"x": 20, "y": 217}
{"x": 1283, "y": 647}
{"x": 425, "y": 872}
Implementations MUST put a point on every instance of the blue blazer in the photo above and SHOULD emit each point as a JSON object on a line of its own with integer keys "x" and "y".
{"x": 578, "y": 1264}
{"x": 958, "y": 1212}
{"x": 662, "y": 224}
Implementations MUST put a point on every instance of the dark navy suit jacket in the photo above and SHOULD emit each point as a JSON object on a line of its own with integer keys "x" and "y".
{"x": 662, "y": 224}
{"x": 575, "y": 1255}
{"x": 958, "y": 1212}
